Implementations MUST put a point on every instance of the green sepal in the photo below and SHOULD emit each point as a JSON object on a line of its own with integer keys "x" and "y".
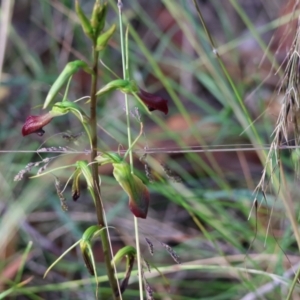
{"x": 91, "y": 233}
{"x": 64, "y": 107}
{"x": 86, "y": 171}
{"x": 98, "y": 17}
{"x": 108, "y": 157}
{"x": 102, "y": 160}
{"x": 125, "y": 251}
{"x": 130, "y": 253}
{"x": 123, "y": 85}
{"x": 70, "y": 69}
{"x": 84, "y": 21}
{"x": 86, "y": 247}
{"x": 75, "y": 184}
{"x": 103, "y": 39}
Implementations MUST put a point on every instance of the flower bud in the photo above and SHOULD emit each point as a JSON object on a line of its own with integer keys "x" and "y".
{"x": 85, "y": 22}
{"x": 104, "y": 38}
{"x": 98, "y": 17}
{"x": 70, "y": 69}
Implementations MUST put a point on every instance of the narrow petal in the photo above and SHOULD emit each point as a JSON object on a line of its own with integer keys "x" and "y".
{"x": 154, "y": 102}
{"x": 35, "y": 124}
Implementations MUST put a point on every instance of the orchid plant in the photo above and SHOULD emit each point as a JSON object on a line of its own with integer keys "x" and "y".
{"x": 139, "y": 197}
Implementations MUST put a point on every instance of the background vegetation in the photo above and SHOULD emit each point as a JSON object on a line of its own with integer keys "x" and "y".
{"x": 215, "y": 139}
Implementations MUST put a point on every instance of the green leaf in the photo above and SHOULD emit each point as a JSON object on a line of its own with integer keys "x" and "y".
{"x": 58, "y": 259}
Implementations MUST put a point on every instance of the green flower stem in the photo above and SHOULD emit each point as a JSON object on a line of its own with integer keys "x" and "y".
{"x": 125, "y": 75}
{"x": 96, "y": 186}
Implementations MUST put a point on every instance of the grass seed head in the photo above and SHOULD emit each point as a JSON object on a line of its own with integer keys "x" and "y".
{"x": 172, "y": 253}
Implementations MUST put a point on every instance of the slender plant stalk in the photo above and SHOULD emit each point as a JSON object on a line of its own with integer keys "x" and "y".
{"x": 96, "y": 186}
{"x": 125, "y": 75}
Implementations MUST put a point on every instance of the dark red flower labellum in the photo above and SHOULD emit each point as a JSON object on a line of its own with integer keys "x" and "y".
{"x": 134, "y": 187}
{"x": 140, "y": 208}
{"x": 35, "y": 124}
{"x": 154, "y": 102}
{"x": 76, "y": 195}
{"x": 40, "y": 132}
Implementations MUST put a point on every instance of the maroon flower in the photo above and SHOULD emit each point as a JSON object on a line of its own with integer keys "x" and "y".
{"x": 35, "y": 124}
{"x": 139, "y": 206}
{"x": 153, "y": 102}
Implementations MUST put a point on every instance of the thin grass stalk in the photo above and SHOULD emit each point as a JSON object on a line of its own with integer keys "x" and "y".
{"x": 96, "y": 186}
{"x": 215, "y": 51}
{"x": 190, "y": 266}
{"x": 6, "y": 14}
{"x": 293, "y": 285}
{"x": 165, "y": 82}
{"x": 263, "y": 156}
{"x": 255, "y": 34}
{"x": 125, "y": 74}
{"x": 289, "y": 206}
